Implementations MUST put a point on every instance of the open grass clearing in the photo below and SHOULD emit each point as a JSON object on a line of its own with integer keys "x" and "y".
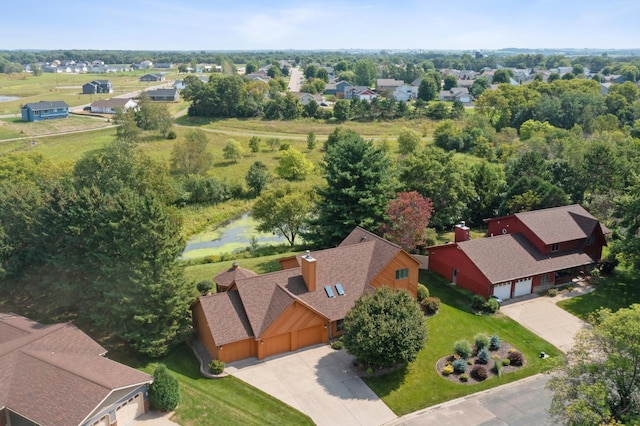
{"x": 16, "y": 128}
{"x": 419, "y": 385}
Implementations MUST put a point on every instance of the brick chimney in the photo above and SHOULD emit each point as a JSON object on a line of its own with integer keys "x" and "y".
{"x": 461, "y": 232}
{"x": 309, "y": 271}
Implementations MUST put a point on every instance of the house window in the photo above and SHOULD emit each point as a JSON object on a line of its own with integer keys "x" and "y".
{"x": 401, "y": 274}
{"x": 545, "y": 279}
{"x": 555, "y": 247}
{"x": 340, "y": 326}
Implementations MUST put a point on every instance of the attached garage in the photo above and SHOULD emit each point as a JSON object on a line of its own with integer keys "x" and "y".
{"x": 523, "y": 287}
{"x": 503, "y": 291}
{"x": 236, "y": 350}
{"x": 128, "y": 411}
{"x": 277, "y": 344}
{"x": 102, "y": 422}
{"x": 310, "y": 336}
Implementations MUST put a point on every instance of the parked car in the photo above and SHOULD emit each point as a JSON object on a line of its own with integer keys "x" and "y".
{"x": 87, "y": 108}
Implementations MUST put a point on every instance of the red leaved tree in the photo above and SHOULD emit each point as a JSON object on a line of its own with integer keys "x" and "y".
{"x": 407, "y": 219}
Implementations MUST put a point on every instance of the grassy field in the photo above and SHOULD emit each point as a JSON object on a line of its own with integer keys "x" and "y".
{"x": 65, "y": 87}
{"x": 613, "y": 291}
{"x": 16, "y": 128}
{"x": 226, "y": 401}
{"x": 420, "y": 385}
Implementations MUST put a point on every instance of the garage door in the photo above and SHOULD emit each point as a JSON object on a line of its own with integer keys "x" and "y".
{"x": 102, "y": 422}
{"x": 277, "y": 344}
{"x": 503, "y": 291}
{"x": 523, "y": 287}
{"x": 128, "y": 411}
{"x": 310, "y": 336}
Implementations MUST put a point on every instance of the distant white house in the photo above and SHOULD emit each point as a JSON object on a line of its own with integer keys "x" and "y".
{"x": 109, "y": 106}
{"x": 455, "y": 94}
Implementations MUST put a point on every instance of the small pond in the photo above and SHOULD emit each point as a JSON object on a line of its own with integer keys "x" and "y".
{"x": 8, "y": 98}
{"x": 233, "y": 236}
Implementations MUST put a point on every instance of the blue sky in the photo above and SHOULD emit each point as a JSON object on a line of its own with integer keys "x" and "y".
{"x": 284, "y": 24}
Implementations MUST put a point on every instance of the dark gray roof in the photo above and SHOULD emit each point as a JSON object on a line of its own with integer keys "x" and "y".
{"x": 42, "y": 105}
{"x": 509, "y": 257}
{"x": 559, "y": 224}
{"x": 162, "y": 92}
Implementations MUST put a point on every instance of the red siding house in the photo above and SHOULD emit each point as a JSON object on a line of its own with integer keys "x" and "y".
{"x": 523, "y": 252}
{"x": 304, "y": 303}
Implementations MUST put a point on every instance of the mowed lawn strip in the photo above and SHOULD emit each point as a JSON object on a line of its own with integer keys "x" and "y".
{"x": 616, "y": 291}
{"x": 419, "y": 385}
{"x": 225, "y": 401}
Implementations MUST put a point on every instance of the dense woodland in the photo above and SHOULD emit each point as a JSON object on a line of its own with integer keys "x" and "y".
{"x": 101, "y": 237}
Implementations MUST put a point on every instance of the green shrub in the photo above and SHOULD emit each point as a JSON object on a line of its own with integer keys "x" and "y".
{"x": 171, "y": 135}
{"x": 477, "y": 302}
{"x": 481, "y": 341}
{"x": 204, "y": 286}
{"x": 484, "y": 356}
{"x": 491, "y": 306}
{"x": 423, "y": 291}
{"x": 430, "y": 305}
{"x": 216, "y": 366}
{"x": 448, "y": 369}
{"x": 479, "y": 372}
{"x": 595, "y": 272}
{"x": 464, "y": 377}
{"x": 164, "y": 392}
{"x": 463, "y": 348}
{"x": 516, "y": 358}
{"x": 497, "y": 366}
{"x": 459, "y": 365}
{"x": 495, "y": 343}
{"x": 337, "y": 345}
{"x": 506, "y": 362}
{"x": 552, "y": 292}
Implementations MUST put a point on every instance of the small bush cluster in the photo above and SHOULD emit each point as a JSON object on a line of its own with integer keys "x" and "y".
{"x": 464, "y": 377}
{"x": 506, "y": 362}
{"x": 481, "y": 341}
{"x": 337, "y": 345}
{"x": 447, "y": 370}
{"x": 430, "y": 305}
{"x": 463, "y": 348}
{"x": 478, "y": 303}
{"x": 484, "y": 356}
{"x": 497, "y": 366}
{"x": 479, "y": 372}
{"x": 515, "y": 358}
{"x": 495, "y": 343}
{"x": 423, "y": 292}
{"x": 552, "y": 292}
{"x": 459, "y": 365}
{"x": 216, "y": 366}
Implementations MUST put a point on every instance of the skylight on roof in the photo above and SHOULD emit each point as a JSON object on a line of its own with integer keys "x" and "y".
{"x": 329, "y": 291}
{"x": 339, "y": 289}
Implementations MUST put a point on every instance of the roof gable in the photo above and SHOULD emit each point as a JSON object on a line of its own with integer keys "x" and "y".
{"x": 226, "y": 317}
{"x": 555, "y": 225}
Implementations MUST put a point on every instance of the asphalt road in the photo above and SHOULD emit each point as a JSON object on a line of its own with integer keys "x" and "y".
{"x": 521, "y": 403}
{"x": 295, "y": 79}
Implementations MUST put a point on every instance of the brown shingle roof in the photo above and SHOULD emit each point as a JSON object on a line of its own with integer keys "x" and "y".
{"x": 226, "y": 317}
{"x": 262, "y": 298}
{"x": 228, "y": 277}
{"x": 54, "y": 374}
{"x": 559, "y": 224}
{"x": 512, "y": 256}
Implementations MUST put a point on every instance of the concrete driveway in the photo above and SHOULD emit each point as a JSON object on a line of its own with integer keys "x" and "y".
{"x": 319, "y": 382}
{"x": 544, "y": 318}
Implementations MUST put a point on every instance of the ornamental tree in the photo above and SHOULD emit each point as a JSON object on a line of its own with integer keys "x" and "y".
{"x": 600, "y": 384}
{"x": 407, "y": 218}
{"x": 385, "y": 328}
{"x": 164, "y": 392}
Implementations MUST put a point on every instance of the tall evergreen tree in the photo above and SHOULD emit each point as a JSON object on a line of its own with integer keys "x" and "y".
{"x": 360, "y": 182}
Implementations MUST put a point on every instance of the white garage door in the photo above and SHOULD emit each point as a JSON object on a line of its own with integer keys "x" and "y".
{"x": 503, "y": 291}
{"x": 128, "y": 411}
{"x": 523, "y": 287}
{"x": 102, "y": 422}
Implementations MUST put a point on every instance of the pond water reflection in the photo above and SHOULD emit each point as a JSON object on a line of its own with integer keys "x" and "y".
{"x": 235, "y": 235}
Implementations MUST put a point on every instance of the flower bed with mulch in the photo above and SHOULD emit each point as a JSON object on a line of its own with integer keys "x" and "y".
{"x": 502, "y": 353}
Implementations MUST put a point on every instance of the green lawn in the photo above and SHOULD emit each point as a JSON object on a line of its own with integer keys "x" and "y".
{"x": 226, "y": 401}
{"x": 613, "y": 291}
{"x": 419, "y": 385}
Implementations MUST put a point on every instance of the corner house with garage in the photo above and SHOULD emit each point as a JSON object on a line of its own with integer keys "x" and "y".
{"x": 304, "y": 303}
{"x": 57, "y": 375}
{"x": 524, "y": 252}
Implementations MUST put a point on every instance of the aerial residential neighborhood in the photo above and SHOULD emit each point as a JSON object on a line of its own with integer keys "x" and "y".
{"x": 297, "y": 214}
